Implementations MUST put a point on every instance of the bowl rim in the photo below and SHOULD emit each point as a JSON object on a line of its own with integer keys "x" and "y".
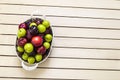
{"x": 51, "y": 47}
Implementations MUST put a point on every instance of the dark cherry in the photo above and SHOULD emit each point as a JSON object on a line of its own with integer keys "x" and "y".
{"x": 29, "y": 35}
{"x": 23, "y": 25}
{"x": 48, "y": 31}
{"x": 39, "y": 21}
{"x": 41, "y": 50}
{"x": 28, "y": 22}
{"x": 21, "y": 41}
{"x": 33, "y": 30}
{"x": 33, "y": 53}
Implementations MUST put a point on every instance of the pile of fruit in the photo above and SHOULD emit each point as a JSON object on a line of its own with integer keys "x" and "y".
{"x": 34, "y": 39}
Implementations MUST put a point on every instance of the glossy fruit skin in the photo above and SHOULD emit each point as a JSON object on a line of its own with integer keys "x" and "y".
{"x": 41, "y": 28}
{"x": 41, "y": 50}
{"x": 46, "y": 45}
{"x": 20, "y": 49}
{"x": 33, "y": 30}
{"x": 21, "y": 32}
{"x": 25, "y": 56}
{"x": 28, "y": 47}
{"x": 21, "y": 41}
{"x": 33, "y": 24}
{"x": 38, "y": 21}
{"x": 48, "y": 37}
{"x": 28, "y": 22}
{"x": 38, "y": 57}
{"x": 31, "y": 60}
{"x": 46, "y": 23}
{"x": 34, "y": 27}
{"x": 29, "y": 35}
{"x": 37, "y": 41}
{"x": 23, "y": 25}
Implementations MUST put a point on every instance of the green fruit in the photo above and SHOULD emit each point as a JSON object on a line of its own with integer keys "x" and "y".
{"x": 33, "y": 24}
{"x": 41, "y": 28}
{"x": 20, "y": 49}
{"x": 21, "y": 32}
{"x": 46, "y": 23}
{"x": 48, "y": 37}
{"x": 28, "y": 47}
{"x": 31, "y": 60}
{"x": 25, "y": 56}
{"x": 46, "y": 45}
{"x": 38, "y": 57}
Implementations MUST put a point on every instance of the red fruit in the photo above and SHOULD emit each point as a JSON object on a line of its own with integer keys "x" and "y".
{"x": 37, "y": 41}
{"x": 22, "y": 41}
{"x": 23, "y": 25}
{"x": 41, "y": 50}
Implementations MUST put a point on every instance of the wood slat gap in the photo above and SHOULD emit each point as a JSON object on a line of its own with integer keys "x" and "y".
{"x": 91, "y": 69}
{"x": 75, "y": 37}
{"x": 90, "y": 27}
{"x": 59, "y": 6}
{"x": 72, "y": 47}
{"x": 7, "y": 77}
{"x": 62, "y": 16}
{"x": 87, "y": 48}
{"x": 72, "y": 58}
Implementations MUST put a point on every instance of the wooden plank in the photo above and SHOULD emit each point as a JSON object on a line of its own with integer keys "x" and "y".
{"x": 71, "y": 53}
{"x": 8, "y": 29}
{"x": 80, "y": 32}
{"x": 71, "y": 42}
{"x": 6, "y": 78}
{"x": 12, "y": 79}
{"x": 73, "y": 12}
{"x": 77, "y": 64}
{"x": 56, "y": 73}
{"x": 99, "y": 67}
{"x": 63, "y": 21}
{"x": 114, "y": 4}
{"x": 7, "y": 39}
{"x": 86, "y": 43}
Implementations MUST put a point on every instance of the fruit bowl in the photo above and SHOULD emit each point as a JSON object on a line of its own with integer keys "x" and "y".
{"x": 34, "y": 42}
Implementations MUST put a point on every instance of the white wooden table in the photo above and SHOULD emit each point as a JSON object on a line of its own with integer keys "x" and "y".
{"x": 86, "y": 45}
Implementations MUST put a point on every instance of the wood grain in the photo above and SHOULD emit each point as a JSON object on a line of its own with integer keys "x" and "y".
{"x": 76, "y": 12}
{"x": 70, "y": 3}
{"x": 92, "y": 43}
{"x": 86, "y": 39}
{"x": 63, "y": 21}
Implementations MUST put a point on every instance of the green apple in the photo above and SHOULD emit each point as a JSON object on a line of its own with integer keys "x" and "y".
{"x": 25, "y": 56}
{"x": 31, "y": 60}
{"x": 38, "y": 57}
{"x": 21, "y": 32}
{"x": 46, "y": 45}
{"x": 41, "y": 28}
{"x": 28, "y": 47}
{"x": 20, "y": 49}
{"x": 48, "y": 37}
{"x": 46, "y": 23}
{"x": 33, "y": 24}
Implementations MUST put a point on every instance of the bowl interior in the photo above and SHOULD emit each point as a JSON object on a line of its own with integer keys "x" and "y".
{"x": 47, "y": 53}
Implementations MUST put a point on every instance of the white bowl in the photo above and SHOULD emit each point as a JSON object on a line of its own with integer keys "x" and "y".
{"x": 28, "y": 66}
